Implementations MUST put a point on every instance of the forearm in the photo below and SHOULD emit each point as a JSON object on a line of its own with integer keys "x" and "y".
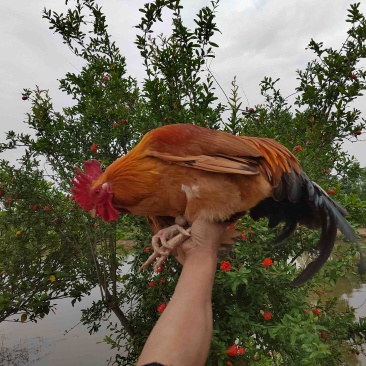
{"x": 182, "y": 336}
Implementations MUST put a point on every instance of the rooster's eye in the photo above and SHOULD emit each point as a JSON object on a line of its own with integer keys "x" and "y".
{"x": 97, "y": 191}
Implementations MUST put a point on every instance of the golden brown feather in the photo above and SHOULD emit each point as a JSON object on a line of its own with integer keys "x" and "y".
{"x": 197, "y": 172}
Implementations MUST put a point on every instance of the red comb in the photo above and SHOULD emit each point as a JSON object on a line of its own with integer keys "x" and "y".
{"x": 83, "y": 181}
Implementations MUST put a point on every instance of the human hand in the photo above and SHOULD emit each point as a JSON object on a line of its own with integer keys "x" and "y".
{"x": 205, "y": 236}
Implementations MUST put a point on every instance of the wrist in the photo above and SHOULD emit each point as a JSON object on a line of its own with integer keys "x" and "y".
{"x": 202, "y": 251}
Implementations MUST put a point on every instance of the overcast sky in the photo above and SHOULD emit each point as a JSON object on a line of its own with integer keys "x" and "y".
{"x": 259, "y": 38}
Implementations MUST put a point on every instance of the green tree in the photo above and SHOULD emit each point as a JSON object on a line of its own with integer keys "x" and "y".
{"x": 254, "y": 303}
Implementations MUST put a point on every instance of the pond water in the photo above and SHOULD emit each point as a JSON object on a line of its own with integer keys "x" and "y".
{"x": 60, "y": 340}
{"x": 351, "y": 293}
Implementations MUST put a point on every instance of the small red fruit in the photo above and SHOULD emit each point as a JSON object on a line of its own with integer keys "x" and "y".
{"x": 94, "y": 148}
{"x": 298, "y": 148}
{"x": 326, "y": 171}
{"x": 106, "y": 78}
{"x": 147, "y": 249}
{"x": 267, "y": 315}
{"x": 251, "y": 110}
{"x": 235, "y": 350}
{"x": 267, "y": 262}
{"x": 161, "y": 307}
{"x": 152, "y": 284}
{"x": 47, "y": 207}
{"x": 124, "y": 122}
{"x": 231, "y": 226}
{"x": 24, "y": 97}
{"x": 354, "y": 77}
{"x": 324, "y": 335}
{"x": 159, "y": 270}
{"x": 316, "y": 311}
{"x": 358, "y": 133}
{"x": 225, "y": 266}
{"x": 35, "y": 207}
{"x": 8, "y": 199}
{"x": 162, "y": 280}
{"x": 115, "y": 124}
{"x": 331, "y": 191}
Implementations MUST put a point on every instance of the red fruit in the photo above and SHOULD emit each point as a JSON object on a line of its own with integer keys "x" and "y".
{"x": 267, "y": 262}
{"x": 244, "y": 236}
{"x": 229, "y": 363}
{"x": 115, "y": 124}
{"x": 267, "y": 315}
{"x": 354, "y": 76}
{"x": 319, "y": 292}
{"x": 8, "y": 199}
{"x": 35, "y": 207}
{"x": 124, "y": 122}
{"x": 159, "y": 270}
{"x": 231, "y": 226}
{"x": 326, "y": 171}
{"x": 24, "y": 97}
{"x": 147, "y": 249}
{"x": 324, "y": 335}
{"x": 298, "y": 148}
{"x": 331, "y": 191}
{"x": 152, "y": 284}
{"x": 162, "y": 280}
{"x": 251, "y": 110}
{"x": 358, "y": 133}
{"x": 106, "y": 78}
{"x": 161, "y": 307}
{"x": 235, "y": 350}
{"x": 47, "y": 207}
{"x": 94, "y": 148}
{"x": 316, "y": 311}
{"x": 225, "y": 266}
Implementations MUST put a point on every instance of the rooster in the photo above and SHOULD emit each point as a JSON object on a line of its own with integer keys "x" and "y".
{"x": 185, "y": 172}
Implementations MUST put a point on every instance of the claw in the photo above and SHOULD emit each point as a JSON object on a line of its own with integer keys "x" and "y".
{"x": 149, "y": 261}
{"x": 165, "y": 241}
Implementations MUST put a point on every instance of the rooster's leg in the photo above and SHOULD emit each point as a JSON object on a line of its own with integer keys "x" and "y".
{"x": 166, "y": 241}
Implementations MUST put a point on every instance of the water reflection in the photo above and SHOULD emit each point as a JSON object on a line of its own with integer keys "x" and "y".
{"x": 350, "y": 292}
{"x": 58, "y": 339}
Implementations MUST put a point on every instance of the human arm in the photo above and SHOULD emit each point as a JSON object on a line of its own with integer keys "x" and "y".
{"x": 182, "y": 335}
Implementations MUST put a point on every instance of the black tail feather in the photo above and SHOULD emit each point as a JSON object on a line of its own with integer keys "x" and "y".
{"x": 325, "y": 245}
{"x": 298, "y": 200}
{"x": 287, "y": 230}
